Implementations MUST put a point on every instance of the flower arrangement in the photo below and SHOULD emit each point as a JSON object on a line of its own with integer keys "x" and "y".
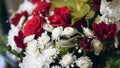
{"x": 65, "y": 33}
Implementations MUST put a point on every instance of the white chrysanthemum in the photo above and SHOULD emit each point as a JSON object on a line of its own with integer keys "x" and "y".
{"x": 29, "y": 38}
{"x": 111, "y": 9}
{"x": 69, "y": 31}
{"x": 36, "y": 59}
{"x": 57, "y": 32}
{"x": 67, "y": 60}
{"x": 97, "y": 46}
{"x": 48, "y": 27}
{"x": 56, "y": 66}
{"x": 26, "y": 6}
{"x": 51, "y": 51}
{"x": 31, "y": 60}
{"x": 44, "y": 39}
{"x": 84, "y": 62}
{"x": 13, "y": 32}
{"x": 32, "y": 46}
{"x": 44, "y": 61}
{"x": 46, "y": 58}
{"x": 88, "y": 32}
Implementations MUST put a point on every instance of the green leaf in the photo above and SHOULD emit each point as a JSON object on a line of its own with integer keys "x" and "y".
{"x": 79, "y": 14}
{"x": 78, "y": 8}
{"x": 59, "y": 3}
{"x": 63, "y": 51}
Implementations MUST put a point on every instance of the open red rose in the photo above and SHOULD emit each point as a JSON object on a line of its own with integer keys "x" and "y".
{"x": 61, "y": 17}
{"x": 16, "y": 18}
{"x": 86, "y": 44}
{"x": 34, "y": 26}
{"x": 104, "y": 31}
{"x": 42, "y": 8}
{"x": 19, "y": 40}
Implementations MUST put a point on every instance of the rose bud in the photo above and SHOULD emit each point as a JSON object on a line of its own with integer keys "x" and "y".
{"x": 97, "y": 46}
{"x": 86, "y": 44}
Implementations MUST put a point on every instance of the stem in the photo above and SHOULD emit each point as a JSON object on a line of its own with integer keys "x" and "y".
{"x": 84, "y": 53}
{"x": 87, "y": 21}
{"x": 80, "y": 34}
{"x": 6, "y": 48}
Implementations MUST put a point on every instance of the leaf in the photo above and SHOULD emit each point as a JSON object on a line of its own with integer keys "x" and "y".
{"x": 62, "y": 50}
{"x": 79, "y": 14}
{"x": 59, "y": 3}
{"x": 78, "y": 8}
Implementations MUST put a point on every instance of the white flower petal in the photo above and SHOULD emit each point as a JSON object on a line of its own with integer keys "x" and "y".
{"x": 29, "y": 38}
{"x": 13, "y": 32}
{"x": 57, "y": 32}
{"x": 67, "y": 60}
{"x": 84, "y": 62}
{"x": 69, "y": 31}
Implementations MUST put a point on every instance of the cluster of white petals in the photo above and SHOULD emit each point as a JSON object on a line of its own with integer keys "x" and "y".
{"x": 36, "y": 59}
{"x": 48, "y": 27}
{"x": 111, "y": 9}
{"x": 44, "y": 39}
{"x": 88, "y": 32}
{"x": 13, "y": 32}
{"x": 69, "y": 31}
{"x": 67, "y": 60}
{"x": 56, "y": 33}
{"x": 84, "y": 62}
{"x": 29, "y": 38}
{"x": 56, "y": 66}
{"x": 26, "y": 6}
{"x": 31, "y": 60}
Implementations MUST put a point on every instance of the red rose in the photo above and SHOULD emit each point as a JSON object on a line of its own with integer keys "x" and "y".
{"x": 105, "y": 31}
{"x": 16, "y": 18}
{"x": 61, "y": 17}
{"x": 86, "y": 44}
{"x": 42, "y": 8}
{"x": 34, "y": 26}
{"x": 36, "y": 1}
{"x": 19, "y": 40}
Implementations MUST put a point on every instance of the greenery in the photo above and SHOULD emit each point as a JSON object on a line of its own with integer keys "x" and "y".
{"x": 4, "y": 48}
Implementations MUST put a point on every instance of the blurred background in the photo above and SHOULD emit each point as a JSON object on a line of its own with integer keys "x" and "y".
{"x": 7, "y": 7}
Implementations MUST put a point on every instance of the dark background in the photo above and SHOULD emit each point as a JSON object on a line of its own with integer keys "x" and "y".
{"x": 7, "y": 7}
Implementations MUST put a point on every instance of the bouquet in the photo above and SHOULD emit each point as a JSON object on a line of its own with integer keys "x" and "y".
{"x": 66, "y": 33}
